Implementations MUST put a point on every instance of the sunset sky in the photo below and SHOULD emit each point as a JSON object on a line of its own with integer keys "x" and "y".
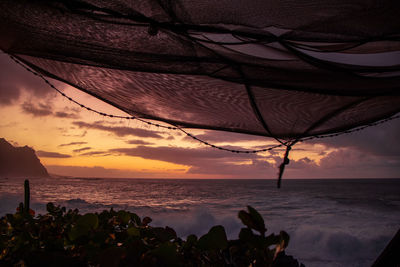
{"x": 72, "y": 141}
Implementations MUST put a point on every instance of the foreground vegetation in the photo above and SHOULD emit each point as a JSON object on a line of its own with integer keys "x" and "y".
{"x": 122, "y": 238}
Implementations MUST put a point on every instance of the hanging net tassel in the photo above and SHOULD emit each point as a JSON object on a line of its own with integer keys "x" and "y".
{"x": 284, "y": 163}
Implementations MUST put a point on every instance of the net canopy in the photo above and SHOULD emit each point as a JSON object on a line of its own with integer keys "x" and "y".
{"x": 281, "y": 68}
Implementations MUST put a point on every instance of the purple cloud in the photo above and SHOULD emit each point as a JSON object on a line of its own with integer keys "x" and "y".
{"x": 138, "y": 142}
{"x": 73, "y": 144}
{"x": 8, "y": 92}
{"x": 62, "y": 114}
{"x": 382, "y": 140}
{"x": 66, "y": 133}
{"x": 220, "y": 136}
{"x": 254, "y": 169}
{"x": 81, "y": 149}
{"x": 96, "y": 153}
{"x": 206, "y": 160}
{"x": 14, "y": 79}
{"x": 46, "y": 154}
{"x": 45, "y": 109}
{"x": 180, "y": 155}
{"x": 38, "y": 110}
{"x": 118, "y": 130}
{"x": 344, "y": 163}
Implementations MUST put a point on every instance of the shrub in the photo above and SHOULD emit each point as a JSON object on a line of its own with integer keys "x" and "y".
{"x": 122, "y": 238}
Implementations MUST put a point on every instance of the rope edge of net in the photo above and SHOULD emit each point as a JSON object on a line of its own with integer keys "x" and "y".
{"x": 176, "y": 127}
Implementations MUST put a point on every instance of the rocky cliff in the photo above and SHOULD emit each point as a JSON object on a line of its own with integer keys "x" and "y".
{"x": 19, "y": 161}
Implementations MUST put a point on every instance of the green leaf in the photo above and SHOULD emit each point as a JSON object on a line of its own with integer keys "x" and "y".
{"x": 124, "y": 216}
{"x": 78, "y": 231}
{"x": 133, "y": 231}
{"x": 100, "y": 237}
{"x": 257, "y": 219}
{"x": 167, "y": 254}
{"x": 272, "y": 239}
{"x": 89, "y": 219}
{"x": 246, "y": 235}
{"x": 171, "y": 232}
{"x": 111, "y": 257}
{"x": 50, "y": 207}
{"x": 215, "y": 239}
{"x": 284, "y": 239}
{"x": 191, "y": 240}
{"x": 146, "y": 221}
{"x": 252, "y": 219}
{"x": 246, "y": 219}
{"x": 83, "y": 225}
{"x": 164, "y": 234}
{"x": 136, "y": 219}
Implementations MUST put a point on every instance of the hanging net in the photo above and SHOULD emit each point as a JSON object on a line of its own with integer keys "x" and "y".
{"x": 285, "y": 69}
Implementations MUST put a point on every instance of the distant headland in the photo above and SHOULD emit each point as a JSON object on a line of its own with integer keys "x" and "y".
{"x": 19, "y": 161}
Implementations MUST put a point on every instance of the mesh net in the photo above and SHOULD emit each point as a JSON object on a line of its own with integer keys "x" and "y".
{"x": 285, "y": 69}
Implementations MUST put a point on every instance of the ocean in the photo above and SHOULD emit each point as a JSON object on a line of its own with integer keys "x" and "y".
{"x": 331, "y": 222}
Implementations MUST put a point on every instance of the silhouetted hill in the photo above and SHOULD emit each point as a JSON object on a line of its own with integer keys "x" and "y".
{"x": 19, "y": 161}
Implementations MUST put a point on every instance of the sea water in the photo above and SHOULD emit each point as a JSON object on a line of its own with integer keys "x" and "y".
{"x": 345, "y": 222}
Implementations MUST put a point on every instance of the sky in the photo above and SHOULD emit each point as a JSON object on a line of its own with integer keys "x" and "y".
{"x": 72, "y": 141}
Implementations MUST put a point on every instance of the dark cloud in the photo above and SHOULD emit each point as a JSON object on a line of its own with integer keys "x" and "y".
{"x": 119, "y": 131}
{"x": 205, "y": 160}
{"x": 96, "y": 153}
{"x": 62, "y": 114}
{"x": 8, "y": 92}
{"x": 382, "y": 140}
{"x": 223, "y": 137}
{"x": 81, "y": 149}
{"x": 14, "y": 79}
{"x": 301, "y": 164}
{"x": 347, "y": 159}
{"x": 72, "y": 132}
{"x": 180, "y": 155}
{"x": 253, "y": 169}
{"x": 344, "y": 163}
{"x": 83, "y": 134}
{"x": 73, "y": 144}
{"x": 138, "y": 142}
{"x": 37, "y": 110}
{"x": 46, "y": 154}
{"x": 46, "y": 109}
{"x": 341, "y": 163}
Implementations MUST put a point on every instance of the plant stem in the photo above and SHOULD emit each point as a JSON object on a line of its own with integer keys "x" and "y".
{"x": 27, "y": 196}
